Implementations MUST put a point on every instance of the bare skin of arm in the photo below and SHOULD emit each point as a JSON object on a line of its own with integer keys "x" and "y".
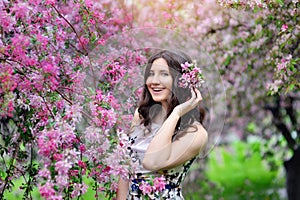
{"x": 162, "y": 153}
{"x": 123, "y": 185}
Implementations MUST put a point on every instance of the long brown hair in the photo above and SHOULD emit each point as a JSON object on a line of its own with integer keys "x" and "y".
{"x": 148, "y": 108}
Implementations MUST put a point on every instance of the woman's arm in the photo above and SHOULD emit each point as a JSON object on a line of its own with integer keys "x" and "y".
{"x": 122, "y": 191}
{"x": 162, "y": 153}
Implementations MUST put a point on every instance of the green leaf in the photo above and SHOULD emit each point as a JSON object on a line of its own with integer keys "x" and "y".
{"x": 227, "y": 61}
{"x": 251, "y": 127}
{"x": 280, "y": 2}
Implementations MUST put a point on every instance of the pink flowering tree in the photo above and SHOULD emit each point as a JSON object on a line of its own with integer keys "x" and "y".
{"x": 61, "y": 120}
{"x": 267, "y": 50}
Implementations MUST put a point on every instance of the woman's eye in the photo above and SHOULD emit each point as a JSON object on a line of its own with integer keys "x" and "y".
{"x": 151, "y": 74}
{"x": 165, "y": 74}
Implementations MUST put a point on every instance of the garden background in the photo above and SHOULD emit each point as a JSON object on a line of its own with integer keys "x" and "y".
{"x": 71, "y": 74}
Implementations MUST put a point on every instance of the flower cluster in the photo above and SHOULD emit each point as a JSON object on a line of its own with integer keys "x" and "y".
{"x": 285, "y": 68}
{"x": 158, "y": 185}
{"x": 191, "y": 77}
{"x": 113, "y": 72}
{"x": 46, "y": 94}
{"x": 103, "y": 110}
{"x": 7, "y": 86}
{"x": 243, "y": 3}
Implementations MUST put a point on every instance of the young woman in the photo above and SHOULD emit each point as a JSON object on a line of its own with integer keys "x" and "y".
{"x": 167, "y": 132}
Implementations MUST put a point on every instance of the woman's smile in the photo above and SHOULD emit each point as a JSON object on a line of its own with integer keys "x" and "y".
{"x": 157, "y": 90}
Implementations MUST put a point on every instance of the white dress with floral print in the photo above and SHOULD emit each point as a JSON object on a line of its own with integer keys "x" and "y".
{"x": 139, "y": 142}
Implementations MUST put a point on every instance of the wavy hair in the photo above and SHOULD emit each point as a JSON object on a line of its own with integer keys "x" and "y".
{"x": 148, "y": 108}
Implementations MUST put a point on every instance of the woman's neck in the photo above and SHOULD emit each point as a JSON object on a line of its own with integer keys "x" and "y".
{"x": 160, "y": 117}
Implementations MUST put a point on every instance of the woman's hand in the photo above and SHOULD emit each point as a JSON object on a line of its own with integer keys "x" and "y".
{"x": 190, "y": 104}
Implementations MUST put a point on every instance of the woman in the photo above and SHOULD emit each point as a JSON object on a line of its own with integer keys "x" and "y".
{"x": 167, "y": 133}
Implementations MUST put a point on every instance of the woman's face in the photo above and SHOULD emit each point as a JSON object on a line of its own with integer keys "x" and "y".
{"x": 159, "y": 81}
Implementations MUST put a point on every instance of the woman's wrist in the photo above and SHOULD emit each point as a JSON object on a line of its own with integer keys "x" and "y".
{"x": 177, "y": 112}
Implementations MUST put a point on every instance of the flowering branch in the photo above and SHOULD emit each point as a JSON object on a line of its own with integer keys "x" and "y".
{"x": 9, "y": 172}
{"x": 72, "y": 27}
{"x": 192, "y": 76}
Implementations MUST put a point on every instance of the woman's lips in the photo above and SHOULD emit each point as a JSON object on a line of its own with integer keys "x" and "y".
{"x": 157, "y": 90}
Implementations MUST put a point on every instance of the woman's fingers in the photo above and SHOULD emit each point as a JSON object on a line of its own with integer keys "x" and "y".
{"x": 191, "y": 103}
{"x": 198, "y": 94}
{"x": 193, "y": 93}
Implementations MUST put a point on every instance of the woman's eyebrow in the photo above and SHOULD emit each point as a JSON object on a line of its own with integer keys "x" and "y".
{"x": 161, "y": 70}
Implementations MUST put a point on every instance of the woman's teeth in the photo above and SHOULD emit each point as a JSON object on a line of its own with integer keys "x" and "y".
{"x": 157, "y": 90}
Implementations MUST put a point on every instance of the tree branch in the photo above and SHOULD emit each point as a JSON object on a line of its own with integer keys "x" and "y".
{"x": 278, "y": 121}
{"x": 72, "y": 27}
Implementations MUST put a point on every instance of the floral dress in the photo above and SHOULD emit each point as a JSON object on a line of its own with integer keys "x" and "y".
{"x": 173, "y": 178}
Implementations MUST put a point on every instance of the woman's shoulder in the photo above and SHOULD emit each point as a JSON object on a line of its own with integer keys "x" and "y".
{"x": 199, "y": 127}
{"x": 200, "y": 131}
{"x": 136, "y": 120}
{"x": 195, "y": 127}
{"x": 201, "y": 136}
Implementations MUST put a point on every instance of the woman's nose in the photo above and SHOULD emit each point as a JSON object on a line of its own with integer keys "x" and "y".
{"x": 155, "y": 80}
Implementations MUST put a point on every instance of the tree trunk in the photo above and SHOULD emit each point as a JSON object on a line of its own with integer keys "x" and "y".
{"x": 292, "y": 168}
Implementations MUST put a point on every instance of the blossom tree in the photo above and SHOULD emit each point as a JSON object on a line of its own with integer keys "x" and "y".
{"x": 60, "y": 120}
{"x": 255, "y": 45}
{"x": 268, "y": 50}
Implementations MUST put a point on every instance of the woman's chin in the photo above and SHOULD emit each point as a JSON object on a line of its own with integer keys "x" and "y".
{"x": 156, "y": 98}
{"x": 159, "y": 100}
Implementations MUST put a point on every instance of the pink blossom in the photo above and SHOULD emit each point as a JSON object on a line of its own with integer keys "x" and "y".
{"x": 34, "y": 2}
{"x": 159, "y": 183}
{"x": 284, "y": 27}
{"x": 58, "y": 157}
{"x": 79, "y": 189}
{"x": 60, "y": 104}
{"x": 191, "y": 77}
{"x": 42, "y": 39}
{"x": 81, "y": 164}
{"x": 281, "y": 66}
{"x": 49, "y": 68}
{"x": 60, "y": 35}
{"x": 101, "y": 41}
{"x": 275, "y": 86}
{"x": 114, "y": 186}
{"x": 82, "y": 148}
{"x": 53, "y": 83}
{"x": 84, "y": 41}
{"x": 47, "y": 190}
{"x": 46, "y": 146}
{"x": 6, "y": 22}
{"x": 45, "y": 173}
{"x": 78, "y": 60}
{"x": 21, "y": 10}
{"x": 74, "y": 172}
{"x": 50, "y": 2}
{"x": 145, "y": 188}
{"x": 56, "y": 197}
{"x": 62, "y": 180}
{"x": 113, "y": 72}
{"x": 62, "y": 167}
{"x": 88, "y": 3}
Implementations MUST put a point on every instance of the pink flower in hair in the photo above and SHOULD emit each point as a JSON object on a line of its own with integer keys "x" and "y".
{"x": 192, "y": 76}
